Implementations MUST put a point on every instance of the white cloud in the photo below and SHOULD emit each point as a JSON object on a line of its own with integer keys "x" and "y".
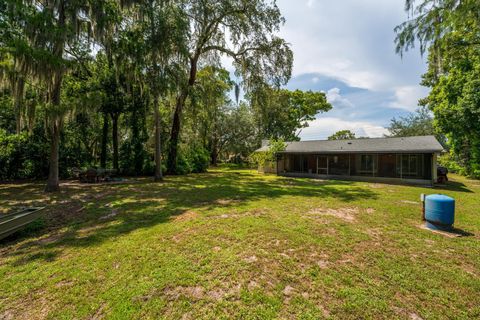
{"x": 322, "y": 128}
{"x": 350, "y": 40}
{"x": 336, "y": 99}
{"x": 407, "y": 97}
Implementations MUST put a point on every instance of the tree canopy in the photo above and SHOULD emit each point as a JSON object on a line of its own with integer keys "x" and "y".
{"x": 281, "y": 112}
{"x": 139, "y": 86}
{"x": 449, "y": 32}
{"x": 342, "y": 135}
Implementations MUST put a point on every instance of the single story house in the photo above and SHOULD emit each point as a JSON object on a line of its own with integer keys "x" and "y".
{"x": 408, "y": 159}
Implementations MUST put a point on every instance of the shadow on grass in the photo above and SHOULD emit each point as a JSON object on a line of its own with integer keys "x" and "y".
{"x": 453, "y": 186}
{"x": 153, "y": 203}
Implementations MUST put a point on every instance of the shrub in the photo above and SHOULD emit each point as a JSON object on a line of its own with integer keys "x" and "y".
{"x": 199, "y": 159}
{"x": 192, "y": 159}
{"x": 22, "y": 156}
{"x": 183, "y": 164}
{"x": 262, "y": 158}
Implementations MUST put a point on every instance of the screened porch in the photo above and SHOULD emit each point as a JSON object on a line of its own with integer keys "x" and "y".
{"x": 416, "y": 166}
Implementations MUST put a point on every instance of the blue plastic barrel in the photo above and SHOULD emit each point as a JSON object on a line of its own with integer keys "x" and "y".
{"x": 439, "y": 211}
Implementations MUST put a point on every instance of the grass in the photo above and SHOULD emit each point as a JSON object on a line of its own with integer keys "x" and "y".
{"x": 237, "y": 244}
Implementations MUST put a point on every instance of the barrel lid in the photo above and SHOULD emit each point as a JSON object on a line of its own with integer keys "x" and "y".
{"x": 439, "y": 197}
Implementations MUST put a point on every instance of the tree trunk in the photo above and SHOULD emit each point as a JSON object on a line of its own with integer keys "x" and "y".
{"x": 214, "y": 157}
{"x": 175, "y": 132}
{"x": 158, "y": 143}
{"x": 18, "y": 102}
{"x": 103, "y": 153}
{"x": 55, "y": 127}
{"x": 115, "y": 140}
{"x": 214, "y": 149}
{"x": 56, "y": 118}
{"x": 53, "y": 181}
{"x": 174, "y": 135}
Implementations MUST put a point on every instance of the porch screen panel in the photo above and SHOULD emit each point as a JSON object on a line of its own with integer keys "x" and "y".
{"x": 288, "y": 167}
{"x": 364, "y": 164}
{"x": 413, "y": 166}
{"x": 297, "y": 163}
{"x": 338, "y": 164}
{"x": 311, "y": 164}
{"x": 387, "y": 163}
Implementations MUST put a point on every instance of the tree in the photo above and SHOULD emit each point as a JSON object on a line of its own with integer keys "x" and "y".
{"x": 342, "y": 135}
{"x": 418, "y": 123}
{"x": 239, "y": 135}
{"x": 158, "y": 34}
{"x": 210, "y": 106}
{"x": 242, "y": 30}
{"x": 280, "y": 113}
{"x": 50, "y": 36}
{"x": 262, "y": 158}
{"x": 449, "y": 30}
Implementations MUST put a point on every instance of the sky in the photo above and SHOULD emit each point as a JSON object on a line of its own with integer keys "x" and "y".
{"x": 346, "y": 49}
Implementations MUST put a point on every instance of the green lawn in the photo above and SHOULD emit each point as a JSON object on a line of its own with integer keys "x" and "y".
{"x": 237, "y": 244}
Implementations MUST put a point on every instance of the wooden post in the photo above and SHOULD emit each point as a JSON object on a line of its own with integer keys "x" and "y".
{"x": 328, "y": 167}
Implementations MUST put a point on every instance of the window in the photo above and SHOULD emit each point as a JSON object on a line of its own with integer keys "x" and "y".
{"x": 366, "y": 163}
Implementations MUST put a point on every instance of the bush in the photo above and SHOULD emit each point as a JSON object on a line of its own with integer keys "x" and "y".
{"x": 192, "y": 159}
{"x": 199, "y": 160}
{"x": 183, "y": 164}
{"x": 261, "y": 159}
{"x": 446, "y": 160}
{"x": 22, "y": 156}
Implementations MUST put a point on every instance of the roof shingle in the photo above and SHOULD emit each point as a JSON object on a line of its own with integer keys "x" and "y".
{"x": 426, "y": 144}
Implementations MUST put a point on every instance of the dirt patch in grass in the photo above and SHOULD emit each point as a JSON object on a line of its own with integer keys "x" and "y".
{"x": 195, "y": 293}
{"x": 251, "y": 213}
{"x": 251, "y": 259}
{"x": 406, "y": 314}
{"x": 28, "y": 309}
{"x": 376, "y": 185}
{"x": 191, "y": 293}
{"x": 409, "y": 202}
{"x": 186, "y": 216}
{"x": 64, "y": 283}
{"x": 374, "y": 233}
{"x": 225, "y": 202}
{"x": 100, "y": 313}
{"x": 347, "y": 214}
{"x": 323, "y": 264}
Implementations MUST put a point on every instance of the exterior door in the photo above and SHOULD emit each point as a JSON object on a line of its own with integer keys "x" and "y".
{"x": 322, "y": 165}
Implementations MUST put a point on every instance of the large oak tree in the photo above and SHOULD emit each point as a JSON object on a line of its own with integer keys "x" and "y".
{"x": 242, "y": 30}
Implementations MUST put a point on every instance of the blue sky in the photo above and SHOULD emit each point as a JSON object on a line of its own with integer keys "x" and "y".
{"x": 346, "y": 49}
